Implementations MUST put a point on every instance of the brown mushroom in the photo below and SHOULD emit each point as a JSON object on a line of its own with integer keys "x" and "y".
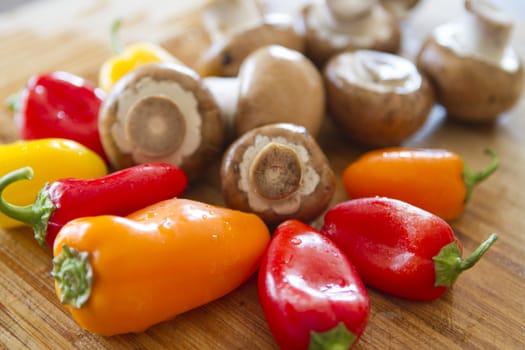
{"x": 378, "y": 99}
{"x": 347, "y": 25}
{"x": 275, "y": 85}
{"x": 237, "y": 28}
{"x": 279, "y": 172}
{"x": 161, "y": 112}
{"x": 476, "y": 73}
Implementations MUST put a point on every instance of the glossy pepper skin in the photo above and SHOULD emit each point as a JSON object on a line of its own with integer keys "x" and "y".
{"x": 157, "y": 263}
{"x": 436, "y": 180}
{"x": 125, "y": 59}
{"x": 51, "y": 159}
{"x": 310, "y": 292}
{"x": 119, "y": 193}
{"x": 60, "y": 105}
{"x": 398, "y": 248}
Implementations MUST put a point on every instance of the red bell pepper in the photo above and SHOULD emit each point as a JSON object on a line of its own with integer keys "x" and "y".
{"x": 119, "y": 193}
{"x": 310, "y": 293}
{"x": 62, "y": 105}
{"x": 398, "y": 248}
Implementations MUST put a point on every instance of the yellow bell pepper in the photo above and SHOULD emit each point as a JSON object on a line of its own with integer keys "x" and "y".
{"x": 126, "y": 59}
{"x": 51, "y": 159}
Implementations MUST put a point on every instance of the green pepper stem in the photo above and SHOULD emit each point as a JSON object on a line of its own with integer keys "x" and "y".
{"x": 448, "y": 263}
{"x": 471, "y": 178}
{"x": 73, "y": 272}
{"x": 337, "y": 338}
{"x": 13, "y": 102}
{"x": 116, "y": 45}
{"x": 35, "y": 215}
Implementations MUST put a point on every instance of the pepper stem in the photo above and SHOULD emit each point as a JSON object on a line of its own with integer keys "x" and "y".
{"x": 471, "y": 178}
{"x": 13, "y": 102}
{"x": 337, "y": 338}
{"x": 35, "y": 215}
{"x": 74, "y": 275}
{"x": 116, "y": 44}
{"x": 448, "y": 264}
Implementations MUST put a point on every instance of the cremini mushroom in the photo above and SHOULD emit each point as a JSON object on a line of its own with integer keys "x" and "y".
{"x": 345, "y": 25}
{"x": 477, "y": 75}
{"x": 275, "y": 85}
{"x": 376, "y": 98}
{"x": 279, "y": 172}
{"x": 161, "y": 112}
{"x": 237, "y": 28}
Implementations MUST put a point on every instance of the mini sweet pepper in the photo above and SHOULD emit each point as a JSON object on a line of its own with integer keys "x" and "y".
{"x": 398, "y": 248}
{"x": 119, "y": 193}
{"x": 51, "y": 159}
{"x": 125, "y": 59}
{"x": 436, "y": 180}
{"x": 157, "y": 263}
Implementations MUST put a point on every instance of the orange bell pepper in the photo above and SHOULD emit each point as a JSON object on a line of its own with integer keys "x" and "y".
{"x": 124, "y": 274}
{"x": 436, "y": 180}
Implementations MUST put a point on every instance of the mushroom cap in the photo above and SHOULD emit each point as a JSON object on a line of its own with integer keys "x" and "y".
{"x": 326, "y": 36}
{"x": 225, "y": 57}
{"x": 376, "y": 98}
{"x": 279, "y": 85}
{"x": 469, "y": 87}
{"x": 285, "y": 148}
{"x": 161, "y": 112}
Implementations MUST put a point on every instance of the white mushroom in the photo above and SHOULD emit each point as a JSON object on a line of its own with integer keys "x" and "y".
{"x": 477, "y": 75}
{"x": 376, "y": 98}
{"x": 278, "y": 172}
{"x": 161, "y": 112}
{"x": 237, "y": 28}
{"x": 346, "y": 25}
{"x": 275, "y": 85}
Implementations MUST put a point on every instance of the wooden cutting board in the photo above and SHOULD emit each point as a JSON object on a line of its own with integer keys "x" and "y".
{"x": 484, "y": 310}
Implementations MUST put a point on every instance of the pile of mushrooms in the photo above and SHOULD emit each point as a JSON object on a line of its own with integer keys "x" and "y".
{"x": 272, "y": 105}
{"x": 237, "y": 28}
{"x": 376, "y": 98}
{"x": 279, "y": 172}
{"x": 335, "y": 26}
{"x": 476, "y": 73}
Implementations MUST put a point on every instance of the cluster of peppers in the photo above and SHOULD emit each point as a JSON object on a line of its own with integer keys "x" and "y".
{"x": 311, "y": 283}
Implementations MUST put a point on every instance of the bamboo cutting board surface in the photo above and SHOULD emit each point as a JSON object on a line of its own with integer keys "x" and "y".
{"x": 484, "y": 310}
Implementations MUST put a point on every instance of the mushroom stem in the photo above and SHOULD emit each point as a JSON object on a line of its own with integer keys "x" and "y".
{"x": 347, "y": 10}
{"x": 487, "y": 29}
{"x": 379, "y": 70}
{"x": 226, "y": 94}
{"x": 155, "y": 125}
{"x": 222, "y": 18}
{"x": 276, "y": 171}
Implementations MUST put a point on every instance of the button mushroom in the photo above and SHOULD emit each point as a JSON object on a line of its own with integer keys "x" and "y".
{"x": 476, "y": 73}
{"x": 161, "y": 112}
{"x": 237, "y": 28}
{"x": 279, "y": 172}
{"x": 275, "y": 85}
{"x": 378, "y": 99}
{"x": 346, "y": 25}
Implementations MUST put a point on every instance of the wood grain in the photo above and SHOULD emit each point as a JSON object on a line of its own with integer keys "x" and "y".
{"x": 484, "y": 310}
